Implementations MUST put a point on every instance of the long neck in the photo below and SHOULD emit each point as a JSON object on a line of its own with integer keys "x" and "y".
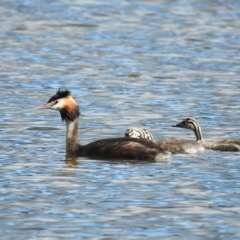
{"x": 72, "y": 137}
{"x": 198, "y": 132}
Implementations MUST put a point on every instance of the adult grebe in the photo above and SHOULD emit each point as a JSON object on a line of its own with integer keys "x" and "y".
{"x": 110, "y": 148}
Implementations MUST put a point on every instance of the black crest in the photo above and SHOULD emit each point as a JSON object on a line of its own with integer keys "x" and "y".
{"x": 61, "y": 93}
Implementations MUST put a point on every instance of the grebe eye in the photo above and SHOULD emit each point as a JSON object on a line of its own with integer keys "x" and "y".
{"x": 56, "y": 102}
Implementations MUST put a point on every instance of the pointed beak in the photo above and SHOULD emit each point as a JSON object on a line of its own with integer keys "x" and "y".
{"x": 45, "y": 106}
{"x": 178, "y": 125}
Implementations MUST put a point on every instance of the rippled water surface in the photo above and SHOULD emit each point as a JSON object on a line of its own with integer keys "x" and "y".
{"x": 128, "y": 64}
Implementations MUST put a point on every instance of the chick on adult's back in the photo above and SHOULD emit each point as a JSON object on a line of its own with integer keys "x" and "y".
{"x": 111, "y": 148}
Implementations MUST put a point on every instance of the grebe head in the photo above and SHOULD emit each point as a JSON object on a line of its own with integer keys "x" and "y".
{"x": 64, "y": 103}
{"x": 192, "y": 124}
{"x": 189, "y": 123}
{"x": 138, "y": 133}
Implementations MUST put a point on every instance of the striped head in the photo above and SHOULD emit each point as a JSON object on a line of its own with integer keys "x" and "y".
{"x": 138, "y": 133}
{"x": 64, "y": 103}
{"x": 192, "y": 124}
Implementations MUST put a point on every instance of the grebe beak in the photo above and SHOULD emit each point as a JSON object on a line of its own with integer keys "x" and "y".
{"x": 45, "y": 106}
{"x": 177, "y": 125}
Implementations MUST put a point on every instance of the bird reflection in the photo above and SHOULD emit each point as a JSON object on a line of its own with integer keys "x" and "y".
{"x": 71, "y": 161}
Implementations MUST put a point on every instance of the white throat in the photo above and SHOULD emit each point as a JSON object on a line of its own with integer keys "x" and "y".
{"x": 71, "y": 125}
{"x": 72, "y": 140}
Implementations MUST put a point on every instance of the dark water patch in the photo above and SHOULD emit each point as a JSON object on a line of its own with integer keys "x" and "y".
{"x": 74, "y": 25}
{"x": 42, "y": 128}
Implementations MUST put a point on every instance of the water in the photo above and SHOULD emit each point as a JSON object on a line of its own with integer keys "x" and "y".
{"x": 128, "y": 64}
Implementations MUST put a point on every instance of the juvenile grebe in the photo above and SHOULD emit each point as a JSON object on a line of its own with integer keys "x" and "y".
{"x": 221, "y": 145}
{"x": 138, "y": 133}
{"x": 110, "y": 148}
{"x": 172, "y": 144}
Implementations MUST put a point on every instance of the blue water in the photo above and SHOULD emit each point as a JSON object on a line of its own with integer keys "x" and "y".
{"x": 128, "y": 64}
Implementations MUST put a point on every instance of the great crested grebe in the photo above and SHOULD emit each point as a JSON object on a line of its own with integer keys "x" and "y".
{"x": 172, "y": 144}
{"x": 110, "y": 148}
{"x": 220, "y": 145}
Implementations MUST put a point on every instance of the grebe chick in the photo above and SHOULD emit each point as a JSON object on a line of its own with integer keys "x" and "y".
{"x": 110, "y": 148}
{"x": 172, "y": 144}
{"x": 221, "y": 145}
{"x": 138, "y": 133}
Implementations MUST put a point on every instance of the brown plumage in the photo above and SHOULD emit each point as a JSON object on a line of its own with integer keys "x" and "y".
{"x": 110, "y": 148}
{"x": 119, "y": 148}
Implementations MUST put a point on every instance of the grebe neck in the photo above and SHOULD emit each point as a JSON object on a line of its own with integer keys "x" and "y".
{"x": 72, "y": 136}
{"x": 198, "y": 132}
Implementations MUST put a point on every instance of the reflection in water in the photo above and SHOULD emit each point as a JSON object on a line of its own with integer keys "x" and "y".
{"x": 71, "y": 161}
{"x": 140, "y": 64}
